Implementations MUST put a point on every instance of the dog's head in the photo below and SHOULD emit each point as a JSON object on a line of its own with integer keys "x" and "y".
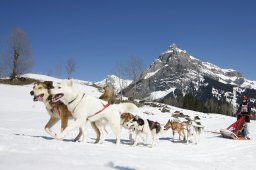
{"x": 41, "y": 90}
{"x": 135, "y": 123}
{"x": 64, "y": 92}
{"x": 168, "y": 125}
{"x": 174, "y": 124}
{"x": 126, "y": 119}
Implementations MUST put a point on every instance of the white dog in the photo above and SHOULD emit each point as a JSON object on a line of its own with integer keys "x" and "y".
{"x": 84, "y": 107}
{"x": 146, "y": 127}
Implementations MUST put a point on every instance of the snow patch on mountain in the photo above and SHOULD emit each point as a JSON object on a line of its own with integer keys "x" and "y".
{"x": 114, "y": 81}
{"x": 148, "y": 75}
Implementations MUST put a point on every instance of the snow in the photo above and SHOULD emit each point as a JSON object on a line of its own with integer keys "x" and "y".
{"x": 25, "y": 145}
{"x": 148, "y": 75}
{"x": 160, "y": 94}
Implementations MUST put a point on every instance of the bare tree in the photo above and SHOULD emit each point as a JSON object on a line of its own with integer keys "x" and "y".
{"x": 70, "y": 67}
{"x": 121, "y": 74}
{"x": 19, "y": 56}
{"x": 131, "y": 69}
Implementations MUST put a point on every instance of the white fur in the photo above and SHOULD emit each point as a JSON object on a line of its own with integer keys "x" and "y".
{"x": 193, "y": 129}
{"x": 85, "y": 106}
{"x": 140, "y": 130}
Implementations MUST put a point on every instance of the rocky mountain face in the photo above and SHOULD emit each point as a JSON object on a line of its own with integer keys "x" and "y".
{"x": 176, "y": 73}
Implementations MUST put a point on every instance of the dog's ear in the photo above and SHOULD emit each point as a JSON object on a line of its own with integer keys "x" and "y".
{"x": 136, "y": 117}
{"x": 140, "y": 121}
{"x": 49, "y": 84}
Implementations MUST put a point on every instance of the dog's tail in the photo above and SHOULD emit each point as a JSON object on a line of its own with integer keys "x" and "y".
{"x": 127, "y": 108}
{"x": 108, "y": 95}
{"x": 162, "y": 131}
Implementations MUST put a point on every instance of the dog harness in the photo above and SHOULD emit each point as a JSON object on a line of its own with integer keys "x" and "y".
{"x": 104, "y": 107}
{"x": 74, "y": 100}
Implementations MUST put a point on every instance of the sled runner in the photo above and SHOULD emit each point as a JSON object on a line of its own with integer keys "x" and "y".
{"x": 235, "y": 130}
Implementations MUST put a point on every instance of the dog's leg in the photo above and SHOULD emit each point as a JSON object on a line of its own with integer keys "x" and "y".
{"x": 102, "y": 134}
{"x": 173, "y": 134}
{"x": 81, "y": 133}
{"x": 79, "y": 122}
{"x": 97, "y": 131}
{"x": 154, "y": 140}
{"x": 135, "y": 139}
{"x": 115, "y": 127}
{"x": 196, "y": 136}
{"x": 64, "y": 122}
{"x": 188, "y": 135}
{"x": 184, "y": 136}
{"x": 146, "y": 141}
{"x": 49, "y": 124}
{"x": 131, "y": 136}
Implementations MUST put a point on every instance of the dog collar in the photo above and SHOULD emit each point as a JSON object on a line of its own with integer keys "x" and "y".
{"x": 78, "y": 102}
{"x": 74, "y": 99}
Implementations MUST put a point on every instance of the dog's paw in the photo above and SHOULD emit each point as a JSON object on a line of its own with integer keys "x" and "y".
{"x": 59, "y": 137}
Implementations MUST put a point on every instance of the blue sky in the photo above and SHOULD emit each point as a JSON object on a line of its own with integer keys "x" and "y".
{"x": 100, "y": 33}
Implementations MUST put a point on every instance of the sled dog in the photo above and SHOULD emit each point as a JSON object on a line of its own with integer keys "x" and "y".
{"x": 126, "y": 118}
{"x": 145, "y": 127}
{"x": 178, "y": 127}
{"x": 194, "y": 128}
{"x": 84, "y": 107}
{"x": 58, "y": 111}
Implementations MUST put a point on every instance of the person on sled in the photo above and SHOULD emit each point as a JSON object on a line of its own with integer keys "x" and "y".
{"x": 245, "y": 110}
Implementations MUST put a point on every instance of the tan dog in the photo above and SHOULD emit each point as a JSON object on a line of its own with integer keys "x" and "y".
{"x": 178, "y": 127}
{"x": 57, "y": 111}
{"x": 108, "y": 95}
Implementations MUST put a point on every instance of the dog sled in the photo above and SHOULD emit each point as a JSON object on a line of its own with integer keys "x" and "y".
{"x": 235, "y": 130}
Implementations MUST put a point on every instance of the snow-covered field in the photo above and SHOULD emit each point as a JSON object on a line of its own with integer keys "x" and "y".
{"x": 24, "y": 144}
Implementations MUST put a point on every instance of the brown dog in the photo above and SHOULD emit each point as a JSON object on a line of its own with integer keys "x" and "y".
{"x": 178, "y": 127}
{"x": 57, "y": 111}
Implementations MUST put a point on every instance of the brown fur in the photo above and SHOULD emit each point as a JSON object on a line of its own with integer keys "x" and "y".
{"x": 108, "y": 95}
{"x": 126, "y": 117}
{"x": 178, "y": 127}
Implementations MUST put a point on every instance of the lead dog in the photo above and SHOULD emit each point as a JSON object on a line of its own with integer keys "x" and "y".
{"x": 146, "y": 127}
{"x": 58, "y": 111}
{"x": 85, "y": 108}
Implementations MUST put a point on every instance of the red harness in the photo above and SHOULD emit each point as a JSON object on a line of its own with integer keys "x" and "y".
{"x": 104, "y": 107}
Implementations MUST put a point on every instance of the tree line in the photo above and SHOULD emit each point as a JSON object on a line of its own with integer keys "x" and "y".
{"x": 192, "y": 103}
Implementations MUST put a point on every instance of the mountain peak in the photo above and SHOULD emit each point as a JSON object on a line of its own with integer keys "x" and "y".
{"x": 174, "y": 49}
{"x": 178, "y": 73}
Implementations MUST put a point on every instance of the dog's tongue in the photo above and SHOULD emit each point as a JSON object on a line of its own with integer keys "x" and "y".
{"x": 39, "y": 98}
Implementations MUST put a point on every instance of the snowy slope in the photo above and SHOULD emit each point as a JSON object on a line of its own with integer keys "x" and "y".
{"x": 25, "y": 145}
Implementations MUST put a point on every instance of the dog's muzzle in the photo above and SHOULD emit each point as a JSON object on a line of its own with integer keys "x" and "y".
{"x": 32, "y": 93}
